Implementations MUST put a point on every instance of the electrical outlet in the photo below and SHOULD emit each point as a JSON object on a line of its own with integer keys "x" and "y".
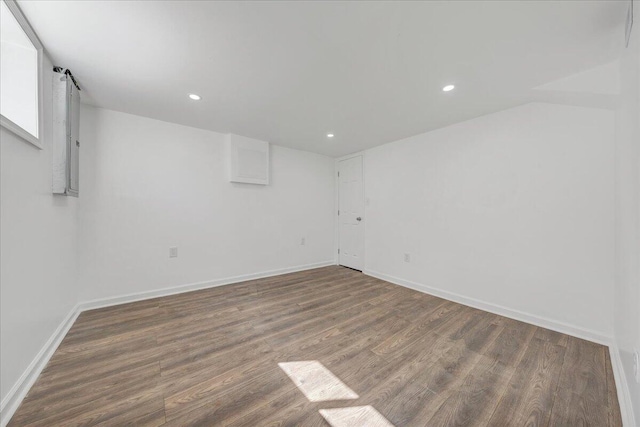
{"x": 173, "y": 252}
{"x": 303, "y": 241}
{"x": 636, "y": 364}
{"x": 407, "y": 257}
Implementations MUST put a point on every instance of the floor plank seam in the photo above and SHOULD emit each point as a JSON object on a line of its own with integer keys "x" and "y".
{"x": 555, "y": 392}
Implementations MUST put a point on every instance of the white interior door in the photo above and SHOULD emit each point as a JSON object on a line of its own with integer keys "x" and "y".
{"x": 351, "y": 213}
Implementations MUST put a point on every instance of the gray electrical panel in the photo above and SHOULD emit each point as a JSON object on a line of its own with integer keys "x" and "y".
{"x": 66, "y": 134}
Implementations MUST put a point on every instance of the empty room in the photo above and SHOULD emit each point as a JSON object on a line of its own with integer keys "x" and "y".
{"x": 320, "y": 213}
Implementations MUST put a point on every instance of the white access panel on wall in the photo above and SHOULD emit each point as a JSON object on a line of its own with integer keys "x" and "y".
{"x": 248, "y": 160}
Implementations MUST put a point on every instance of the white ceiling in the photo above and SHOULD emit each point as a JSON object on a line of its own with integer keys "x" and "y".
{"x": 290, "y": 72}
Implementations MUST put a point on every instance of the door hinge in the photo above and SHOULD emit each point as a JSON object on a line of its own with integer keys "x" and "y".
{"x": 338, "y": 212}
{"x": 338, "y": 174}
{"x": 338, "y": 250}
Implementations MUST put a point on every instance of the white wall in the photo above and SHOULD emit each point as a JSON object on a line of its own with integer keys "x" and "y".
{"x": 38, "y": 250}
{"x": 148, "y": 185}
{"x": 627, "y": 289}
{"x": 513, "y": 209}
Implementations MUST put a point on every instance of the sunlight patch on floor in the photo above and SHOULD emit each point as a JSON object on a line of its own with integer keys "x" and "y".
{"x": 356, "y": 416}
{"x": 317, "y": 382}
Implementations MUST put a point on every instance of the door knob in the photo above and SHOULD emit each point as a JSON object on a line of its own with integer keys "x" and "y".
{"x": 358, "y": 219}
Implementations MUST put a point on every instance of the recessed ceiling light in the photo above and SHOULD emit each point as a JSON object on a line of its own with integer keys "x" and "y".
{"x": 447, "y": 88}
{"x": 330, "y": 135}
{"x": 195, "y": 97}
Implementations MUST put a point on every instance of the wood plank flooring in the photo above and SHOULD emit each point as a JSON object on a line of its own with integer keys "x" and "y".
{"x": 211, "y": 357}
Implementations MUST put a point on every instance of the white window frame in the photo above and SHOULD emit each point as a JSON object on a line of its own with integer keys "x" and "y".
{"x": 4, "y": 121}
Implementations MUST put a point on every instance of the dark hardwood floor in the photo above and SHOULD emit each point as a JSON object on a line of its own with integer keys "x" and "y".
{"x": 211, "y": 357}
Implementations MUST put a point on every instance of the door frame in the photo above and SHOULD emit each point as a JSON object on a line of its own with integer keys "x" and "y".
{"x": 336, "y": 227}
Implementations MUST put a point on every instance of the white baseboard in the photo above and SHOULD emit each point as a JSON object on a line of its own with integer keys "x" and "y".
{"x": 622, "y": 387}
{"x": 14, "y": 397}
{"x": 140, "y": 296}
{"x": 543, "y": 322}
{"x": 20, "y": 389}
